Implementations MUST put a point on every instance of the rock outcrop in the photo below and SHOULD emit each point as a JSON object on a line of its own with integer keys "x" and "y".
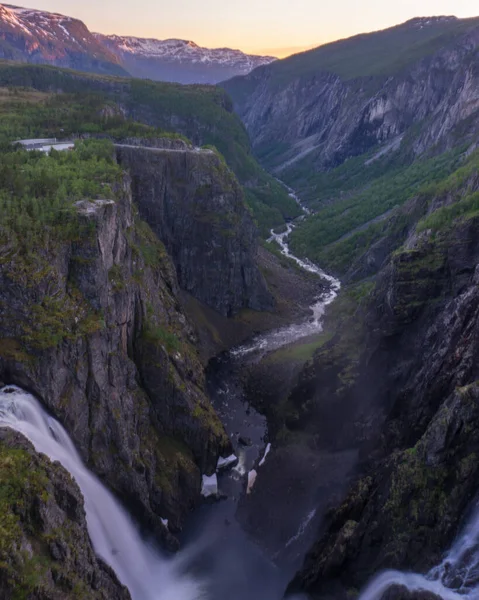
{"x": 92, "y": 325}
{"x": 194, "y": 204}
{"x": 45, "y": 550}
{"x": 399, "y": 382}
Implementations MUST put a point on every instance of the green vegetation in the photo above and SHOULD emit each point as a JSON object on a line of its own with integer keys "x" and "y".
{"x": 38, "y": 192}
{"x": 174, "y": 459}
{"x": 16, "y": 480}
{"x": 19, "y": 483}
{"x": 148, "y": 245}
{"x": 342, "y": 230}
{"x": 120, "y": 108}
{"x": 58, "y": 318}
{"x": 465, "y": 203}
{"x": 25, "y": 486}
{"x": 286, "y": 262}
{"x": 301, "y": 352}
{"x": 160, "y": 334}
{"x": 357, "y": 172}
{"x": 467, "y": 207}
{"x": 381, "y": 53}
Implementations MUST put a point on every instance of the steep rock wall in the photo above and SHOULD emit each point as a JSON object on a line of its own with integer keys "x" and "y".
{"x": 399, "y": 382}
{"x": 93, "y": 327}
{"x": 194, "y": 204}
{"x": 45, "y": 551}
{"x": 326, "y": 119}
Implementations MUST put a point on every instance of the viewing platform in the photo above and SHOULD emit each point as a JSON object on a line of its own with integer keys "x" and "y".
{"x": 46, "y": 144}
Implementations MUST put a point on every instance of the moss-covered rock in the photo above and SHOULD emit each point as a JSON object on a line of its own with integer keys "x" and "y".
{"x": 45, "y": 550}
{"x": 94, "y": 327}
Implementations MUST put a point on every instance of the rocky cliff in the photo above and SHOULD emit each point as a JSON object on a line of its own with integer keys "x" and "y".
{"x": 194, "y": 204}
{"x": 399, "y": 383}
{"x": 91, "y": 324}
{"x": 317, "y": 109}
{"x": 45, "y": 550}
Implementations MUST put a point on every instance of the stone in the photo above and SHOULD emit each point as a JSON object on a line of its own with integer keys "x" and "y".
{"x": 209, "y": 486}
{"x": 194, "y": 204}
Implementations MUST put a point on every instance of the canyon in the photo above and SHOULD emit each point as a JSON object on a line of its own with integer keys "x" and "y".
{"x": 255, "y": 387}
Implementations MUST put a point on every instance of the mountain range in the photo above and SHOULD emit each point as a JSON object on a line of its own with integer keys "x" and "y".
{"x": 35, "y": 36}
{"x": 182, "y": 61}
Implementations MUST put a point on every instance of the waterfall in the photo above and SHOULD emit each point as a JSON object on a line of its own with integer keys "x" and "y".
{"x": 138, "y": 565}
{"x": 455, "y": 578}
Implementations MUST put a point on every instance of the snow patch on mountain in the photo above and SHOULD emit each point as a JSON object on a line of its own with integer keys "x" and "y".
{"x": 184, "y": 51}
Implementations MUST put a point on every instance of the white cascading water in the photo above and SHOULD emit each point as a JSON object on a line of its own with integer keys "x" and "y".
{"x": 115, "y": 538}
{"x": 455, "y": 578}
{"x": 290, "y": 334}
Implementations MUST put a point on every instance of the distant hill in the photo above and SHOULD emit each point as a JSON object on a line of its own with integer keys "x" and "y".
{"x": 357, "y": 127}
{"x": 320, "y": 107}
{"x": 202, "y": 113}
{"x": 180, "y": 61}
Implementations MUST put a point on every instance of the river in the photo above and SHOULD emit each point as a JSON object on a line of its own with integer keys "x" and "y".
{"x": 234, "y": 567}
{"x": 218, "y": 560}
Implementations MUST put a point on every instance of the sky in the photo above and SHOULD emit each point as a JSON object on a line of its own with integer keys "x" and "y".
{"x": 277, "y": 27}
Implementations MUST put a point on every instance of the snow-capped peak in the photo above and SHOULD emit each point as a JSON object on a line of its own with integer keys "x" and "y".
{"x": 177, "y": 50}
{"x": 41, "y": 36}
{"x": 33, "y": 12}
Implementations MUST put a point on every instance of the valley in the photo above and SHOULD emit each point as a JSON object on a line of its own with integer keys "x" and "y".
{"x": 244, "y": 320}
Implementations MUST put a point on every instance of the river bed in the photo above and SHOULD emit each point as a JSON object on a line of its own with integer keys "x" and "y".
{"x": 234, "y": 566}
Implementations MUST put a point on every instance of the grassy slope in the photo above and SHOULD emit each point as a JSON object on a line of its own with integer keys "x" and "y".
{"x": 323, "y": 236}
{"x": 201, "y": 113}
{"x": 380, "y": 53}
{"x": 350, "y": 196}
{"x": 361, "y": 197}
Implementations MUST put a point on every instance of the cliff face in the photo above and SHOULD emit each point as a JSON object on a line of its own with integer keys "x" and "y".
{"x": 45, "y": 549}
{"x": 400, "y": 383}
{"x": 93, "y": 327}
{"x": 194, "y": 204}
{"x": 320, "y": 119}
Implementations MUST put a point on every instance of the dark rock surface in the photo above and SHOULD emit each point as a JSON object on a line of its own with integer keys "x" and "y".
{"x": 399, "y": 382}
{"x": 321, "y": 119}
{"x": 93, "y": 327}
{"x": 45, "y": 550}
{"x": 194, "y": 204}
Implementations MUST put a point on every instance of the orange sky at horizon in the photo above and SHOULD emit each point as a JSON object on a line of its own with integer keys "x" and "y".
{"x": 274, "y": 27}
{"x": 281, "y": 52}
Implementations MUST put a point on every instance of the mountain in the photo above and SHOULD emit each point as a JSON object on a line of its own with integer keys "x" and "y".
{"x": 344, "y": 98}
{"x": 180, "y": 61}
{"x": 36, "y": 36}
{"x": 40, "y": 37}
{"x": 379, "y": 133}
{"x": 358, "y": 125}
{"x": 203, "y": 114}
{"x": 398, "y": 379}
